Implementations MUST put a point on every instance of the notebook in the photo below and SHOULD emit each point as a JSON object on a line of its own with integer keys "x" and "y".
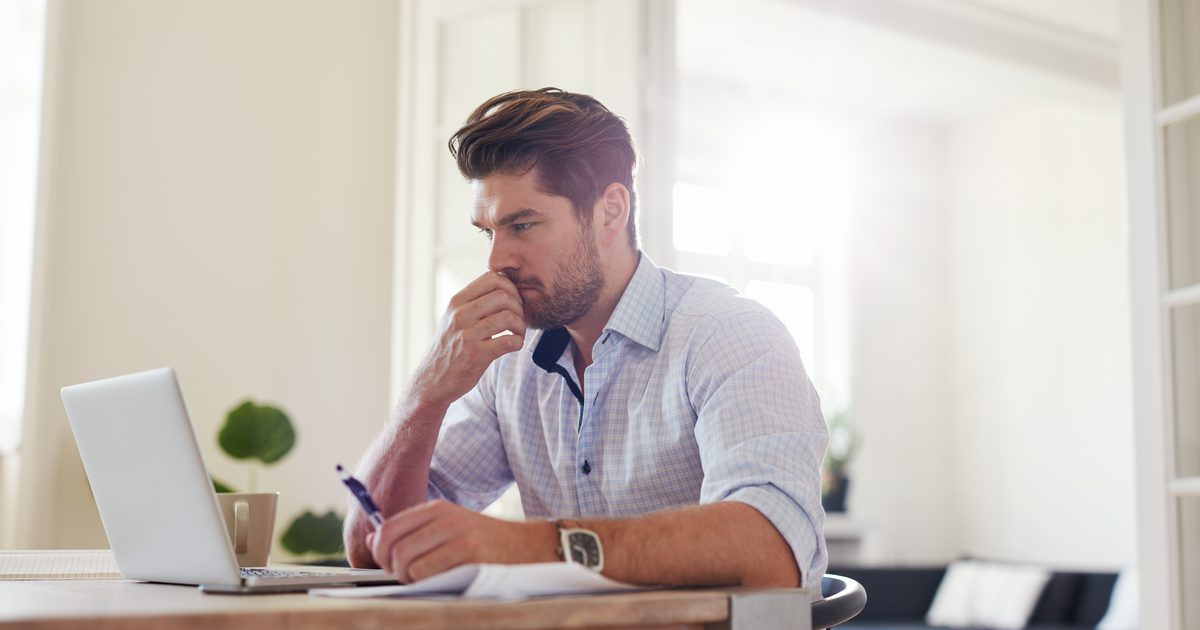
{"x": 154, "y": 494}
{"x": 58, "y": 564}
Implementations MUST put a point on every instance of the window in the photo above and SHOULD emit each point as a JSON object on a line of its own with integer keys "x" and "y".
{"x": 764, "y": 178}
{"x": 763, "y": 210}
{"x": 22, "y": 28}
{"x": 764, "y": 248}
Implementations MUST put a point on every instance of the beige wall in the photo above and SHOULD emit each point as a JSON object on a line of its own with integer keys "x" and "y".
{"x": 217, "y": 196}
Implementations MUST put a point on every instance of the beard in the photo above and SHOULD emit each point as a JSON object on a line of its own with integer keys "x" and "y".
{"x": 576, "y": 287}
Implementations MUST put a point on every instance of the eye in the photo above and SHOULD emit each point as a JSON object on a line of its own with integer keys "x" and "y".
{"x": 521, "y": 227}
{"x": 486, "y": 232}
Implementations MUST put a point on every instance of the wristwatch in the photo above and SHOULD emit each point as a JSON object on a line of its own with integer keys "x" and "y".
{"x": 580, "y": 546}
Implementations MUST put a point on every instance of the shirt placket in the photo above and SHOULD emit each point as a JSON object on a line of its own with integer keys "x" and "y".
{"x": 588, "y": 456}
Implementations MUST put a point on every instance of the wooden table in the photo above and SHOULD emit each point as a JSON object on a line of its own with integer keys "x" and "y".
{"x": 125, "y": 604}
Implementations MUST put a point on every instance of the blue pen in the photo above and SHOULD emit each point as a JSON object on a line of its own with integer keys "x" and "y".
{"x": 364, "y": 498}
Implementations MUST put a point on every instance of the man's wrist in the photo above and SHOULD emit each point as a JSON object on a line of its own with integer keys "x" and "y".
{"x": 424, "y": 400}
{"x": 544, "y": 541}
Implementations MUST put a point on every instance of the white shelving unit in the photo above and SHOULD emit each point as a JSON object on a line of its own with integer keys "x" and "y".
{"x": 1161, "y": 79}
{"x": 844, "y": 537}
{"x": 1185, "y": 487}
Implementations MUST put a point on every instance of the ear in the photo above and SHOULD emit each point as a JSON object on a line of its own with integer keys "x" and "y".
{"x": 610, "y": 215}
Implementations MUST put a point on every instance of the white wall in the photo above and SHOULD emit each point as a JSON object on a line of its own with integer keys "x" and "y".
{"x": 1040, "y": 412}
{"x": 902, "y": 471}
{"x": 991, "y": 379}
{"x": 217, "y": 196}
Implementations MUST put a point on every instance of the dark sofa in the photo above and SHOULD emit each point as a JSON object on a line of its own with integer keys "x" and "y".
{"x": 899, "y": 597}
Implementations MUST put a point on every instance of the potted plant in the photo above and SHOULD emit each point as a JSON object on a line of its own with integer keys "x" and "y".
{"x": 262, "y": 435}
{"x": 835, "y": 479}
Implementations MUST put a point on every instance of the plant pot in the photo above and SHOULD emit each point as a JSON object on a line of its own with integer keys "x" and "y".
{"x": 834, "y": 500}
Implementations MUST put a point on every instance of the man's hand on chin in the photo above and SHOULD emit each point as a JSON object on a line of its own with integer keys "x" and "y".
{"x": 437, "y": 536}
{"x": 469, "y": 338}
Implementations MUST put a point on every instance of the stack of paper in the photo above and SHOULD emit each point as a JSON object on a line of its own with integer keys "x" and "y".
{"x": 495, "y": 581}
{"x": 58, "y": 564}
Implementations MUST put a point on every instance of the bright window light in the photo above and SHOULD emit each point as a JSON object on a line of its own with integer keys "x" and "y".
{"x": 712, "y": 276}
{"x": 22, "y": 28}
{"x": 793, "y": 304}
{"x": 780, "y": 230}
{"x": 703, "y": 220}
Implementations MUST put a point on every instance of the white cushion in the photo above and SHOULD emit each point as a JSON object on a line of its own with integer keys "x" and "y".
{"x": 986, "y": 594}
{"x": 1123, "y": 605}
{"x": 952, "y": 604}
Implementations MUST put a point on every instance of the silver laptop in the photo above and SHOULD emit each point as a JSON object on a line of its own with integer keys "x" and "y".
{"x": 154, "y": 494}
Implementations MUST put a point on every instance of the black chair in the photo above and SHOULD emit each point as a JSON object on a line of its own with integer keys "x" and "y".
{"x": 842, "y": 599}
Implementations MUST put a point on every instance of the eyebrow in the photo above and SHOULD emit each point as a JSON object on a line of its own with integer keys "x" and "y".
{"x": 509, "y": 219}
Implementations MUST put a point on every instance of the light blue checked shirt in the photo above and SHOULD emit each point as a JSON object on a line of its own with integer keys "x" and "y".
{"x": 695, "y": 395}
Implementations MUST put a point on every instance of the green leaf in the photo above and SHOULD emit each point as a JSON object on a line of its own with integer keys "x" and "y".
{"x": 259, "y": 432}
{"x": 221, "y": 486}
{"x": 310, "y": 533}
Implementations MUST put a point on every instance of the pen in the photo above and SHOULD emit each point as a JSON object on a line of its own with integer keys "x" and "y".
{"x": 364, "y": 498}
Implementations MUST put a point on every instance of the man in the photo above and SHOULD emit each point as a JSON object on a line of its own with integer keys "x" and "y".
{"x": 665, "y": 421}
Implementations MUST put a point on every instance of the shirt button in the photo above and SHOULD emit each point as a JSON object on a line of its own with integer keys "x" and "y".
{"x": 586, "y": 467}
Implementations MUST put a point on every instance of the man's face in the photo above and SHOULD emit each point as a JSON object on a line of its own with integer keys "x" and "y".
{"x": 539, "y": 244}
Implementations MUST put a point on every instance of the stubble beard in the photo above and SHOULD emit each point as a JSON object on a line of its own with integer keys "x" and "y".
{"x": 576, "y": 287}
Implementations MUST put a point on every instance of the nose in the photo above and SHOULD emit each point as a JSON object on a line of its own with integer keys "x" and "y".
{"x": 502, "y": 257}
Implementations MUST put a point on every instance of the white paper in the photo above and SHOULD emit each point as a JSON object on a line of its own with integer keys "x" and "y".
{"x": 494, "y": 581}
{"x": 58, "y": 564}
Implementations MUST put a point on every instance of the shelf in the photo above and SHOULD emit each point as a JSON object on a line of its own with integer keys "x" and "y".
{"x": 1179, "y": 111}
{"x": 840, "y": 526}
{"x": 1186, "y": 296}
{"x": 1184, "y": 487}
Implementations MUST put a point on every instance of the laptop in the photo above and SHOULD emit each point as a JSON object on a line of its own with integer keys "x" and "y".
{"x": 155, "y": 497}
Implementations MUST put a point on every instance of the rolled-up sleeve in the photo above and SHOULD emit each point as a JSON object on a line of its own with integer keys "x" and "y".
{"x": 760, "y": 431}
{"x": 470, "y": 466}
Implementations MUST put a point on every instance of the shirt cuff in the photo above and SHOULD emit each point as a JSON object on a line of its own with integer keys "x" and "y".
{"x": 796, "y": 527}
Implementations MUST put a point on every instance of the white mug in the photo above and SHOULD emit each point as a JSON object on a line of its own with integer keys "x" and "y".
{"x": 250, "y": 522}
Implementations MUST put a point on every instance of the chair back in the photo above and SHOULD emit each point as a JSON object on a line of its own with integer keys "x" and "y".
{"x": 842, "y": 599}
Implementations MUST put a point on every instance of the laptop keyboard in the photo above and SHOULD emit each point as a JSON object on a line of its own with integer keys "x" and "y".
{"x": 284, "y": 573}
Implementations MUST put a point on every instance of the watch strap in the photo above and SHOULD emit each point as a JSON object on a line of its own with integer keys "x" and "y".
{"x": 562, "y": 525}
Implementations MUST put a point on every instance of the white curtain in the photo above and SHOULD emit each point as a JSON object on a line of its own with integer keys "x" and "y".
{"x": 22, "y": 29}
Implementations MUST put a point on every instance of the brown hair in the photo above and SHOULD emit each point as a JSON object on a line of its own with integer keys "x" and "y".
{"x": 576, "y": 144}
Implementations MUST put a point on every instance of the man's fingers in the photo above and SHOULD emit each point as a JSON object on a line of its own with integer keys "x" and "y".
{"x": 503, "y": 344}
{"x": 419, "y": 543}
{"x": 439, "y": 559}
{"x": 483, "y": 285}
{"x": 495, "y": 324}
{"x": 395, "y": 529}
{"x": 495, "y": 301}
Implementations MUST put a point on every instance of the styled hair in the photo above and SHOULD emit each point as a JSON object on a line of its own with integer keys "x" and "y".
{"x": 576, "y": 144}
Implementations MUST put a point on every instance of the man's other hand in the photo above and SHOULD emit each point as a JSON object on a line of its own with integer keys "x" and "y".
{"x": 437, "y": 536}
{"x": 466, "y": 342}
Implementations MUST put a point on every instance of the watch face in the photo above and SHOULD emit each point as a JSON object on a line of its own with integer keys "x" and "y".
{"x": 584, "y": 548}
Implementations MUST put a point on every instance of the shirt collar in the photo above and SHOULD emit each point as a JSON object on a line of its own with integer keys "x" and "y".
{"x": 638, "y": 317}
{"x": 640, "y": 311}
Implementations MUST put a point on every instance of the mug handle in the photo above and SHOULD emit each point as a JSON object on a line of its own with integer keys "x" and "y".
{"x": 241, "y": 527}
